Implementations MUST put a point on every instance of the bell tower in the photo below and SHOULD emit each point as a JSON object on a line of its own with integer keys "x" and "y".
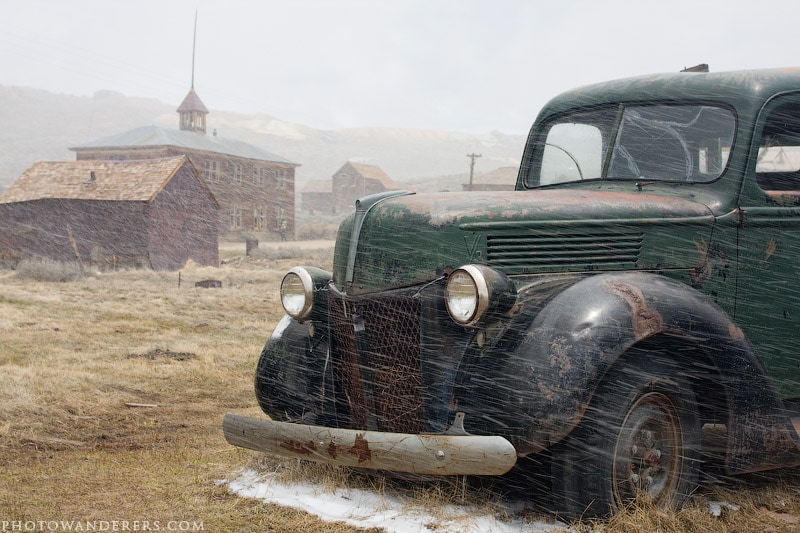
{"x": 192, "y": 112}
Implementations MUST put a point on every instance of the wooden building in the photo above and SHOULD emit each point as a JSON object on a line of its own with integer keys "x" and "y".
{"x": 255, "y": 188}
{"x": 355, "y": 180}
{"x": 155, "y": 213}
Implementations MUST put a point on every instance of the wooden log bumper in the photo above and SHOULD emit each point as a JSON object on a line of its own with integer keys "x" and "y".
{"x": 434, "y": 454}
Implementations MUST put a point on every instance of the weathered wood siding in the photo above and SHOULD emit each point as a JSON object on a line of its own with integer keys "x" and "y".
{"x": 99, "y": 233}
{"x": 179, "y": 224}
{"x": 182, "y": 224}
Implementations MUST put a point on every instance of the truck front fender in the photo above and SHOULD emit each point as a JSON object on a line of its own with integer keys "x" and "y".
{"x": 534, "y": 384}
{"x": 290, "y": 371}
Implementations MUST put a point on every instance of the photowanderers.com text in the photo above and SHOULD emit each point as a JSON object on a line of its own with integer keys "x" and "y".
{"x": 100, "y": 525}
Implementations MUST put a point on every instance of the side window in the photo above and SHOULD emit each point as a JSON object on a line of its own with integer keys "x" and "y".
{"x": 778, "y": 166}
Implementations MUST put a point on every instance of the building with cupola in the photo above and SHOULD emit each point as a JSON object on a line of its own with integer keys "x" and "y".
{"x": 255, "y": 189}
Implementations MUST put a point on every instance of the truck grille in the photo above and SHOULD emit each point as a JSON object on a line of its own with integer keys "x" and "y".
{"x": 376, "y": 362}
{"x": 580, "y": 251}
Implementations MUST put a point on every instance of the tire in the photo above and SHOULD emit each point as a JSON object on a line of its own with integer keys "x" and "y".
{"x": 639, "y": 438}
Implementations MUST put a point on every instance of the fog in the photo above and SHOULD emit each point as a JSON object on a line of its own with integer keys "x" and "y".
{"x": 447, "y": 65}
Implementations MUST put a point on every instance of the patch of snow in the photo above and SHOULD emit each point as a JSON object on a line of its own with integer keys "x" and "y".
{"x": 715, "y": 508}
{"x": 362, "y": 508}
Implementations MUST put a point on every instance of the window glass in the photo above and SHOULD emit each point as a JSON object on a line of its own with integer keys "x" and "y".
{"x": 572, "y": 148}
{"x": 778, "y": 166}
{"x": 672, "y": 143}
{"x": 678, "y": 143}
{"x": 573, "y": 151}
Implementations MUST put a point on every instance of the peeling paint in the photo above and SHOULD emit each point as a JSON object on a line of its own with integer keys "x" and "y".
{"x": 450, "y": 208}
{"x": 645, "y": 321}
{"x": 772, "y": 245}
{"x": 735, "y": 331}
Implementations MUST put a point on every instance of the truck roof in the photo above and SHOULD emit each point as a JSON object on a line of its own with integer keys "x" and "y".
{"x": 744, "y": 89}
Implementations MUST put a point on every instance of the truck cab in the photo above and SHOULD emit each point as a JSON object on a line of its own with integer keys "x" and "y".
{"x": 636, "y": 287}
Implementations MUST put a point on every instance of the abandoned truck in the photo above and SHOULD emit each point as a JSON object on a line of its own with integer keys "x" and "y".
{"x": 638, "y": 286}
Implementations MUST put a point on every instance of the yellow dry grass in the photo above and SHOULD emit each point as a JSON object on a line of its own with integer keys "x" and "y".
{"x": 113, "y": 388}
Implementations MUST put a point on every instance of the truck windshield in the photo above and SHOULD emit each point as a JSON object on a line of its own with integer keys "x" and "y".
{"x": 676, "y": 143}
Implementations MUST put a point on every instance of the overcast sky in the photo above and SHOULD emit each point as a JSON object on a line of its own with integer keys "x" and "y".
{"x": 468, "y": 65}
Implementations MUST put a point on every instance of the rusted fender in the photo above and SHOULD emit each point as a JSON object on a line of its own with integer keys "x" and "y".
{"x": 535, "y": 385}
{"x": 441, "y": 455}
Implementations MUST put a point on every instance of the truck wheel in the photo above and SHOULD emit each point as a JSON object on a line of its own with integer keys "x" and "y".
{"x": 639, "y": 438}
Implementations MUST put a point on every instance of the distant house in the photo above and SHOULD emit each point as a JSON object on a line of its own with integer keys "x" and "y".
{"x": 501, "y": 179}
{"x": 316, "y": 197}
{"x": 255, "y": 188}
{"x": 155, "y": 213}
{"x": 355, "y": 180}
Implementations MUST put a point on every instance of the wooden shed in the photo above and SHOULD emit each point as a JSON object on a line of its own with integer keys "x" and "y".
{"x": 153, "y": 213}
{"x": 354, "y": 180}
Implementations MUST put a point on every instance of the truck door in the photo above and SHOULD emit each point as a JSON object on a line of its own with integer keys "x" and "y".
{"x": 768, "y": 281}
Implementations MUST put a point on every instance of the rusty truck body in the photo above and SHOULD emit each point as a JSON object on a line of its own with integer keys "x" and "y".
{"x": 640, "y": 284}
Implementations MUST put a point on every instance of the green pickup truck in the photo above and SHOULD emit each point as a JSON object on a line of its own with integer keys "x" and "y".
{"x": 636, "y": 290}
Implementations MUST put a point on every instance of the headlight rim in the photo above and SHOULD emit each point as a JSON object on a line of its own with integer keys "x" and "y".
{"x": 308, "y": 293}
{"x": 481, "y": 295}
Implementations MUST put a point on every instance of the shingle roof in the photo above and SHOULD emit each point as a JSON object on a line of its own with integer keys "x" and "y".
{"x": 192, "y": 102}
{"x": 113, "y": 180}
{"x": 157, "y": 136}
{"x": 374, "y": 172}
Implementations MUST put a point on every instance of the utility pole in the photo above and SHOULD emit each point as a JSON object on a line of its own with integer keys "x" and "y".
{"x": 472, "y": 157}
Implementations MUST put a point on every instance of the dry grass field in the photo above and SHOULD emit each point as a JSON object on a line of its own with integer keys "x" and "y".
{"x": 113, "y": 387}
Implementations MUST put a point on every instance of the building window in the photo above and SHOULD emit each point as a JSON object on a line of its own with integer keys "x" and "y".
{"x": 211, "y": 171}
{"x": 260, "y": 176}
{"x": 280, "y": 181}
{"x": 236, "y": 173}
{"x": 236, "y": 216}
{"x": 259, "y": 217}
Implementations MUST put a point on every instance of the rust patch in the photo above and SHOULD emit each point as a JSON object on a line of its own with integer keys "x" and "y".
{"x": 772, "y": 245}
{"x": 735, "y": 332}
{"x": 361, "y": 449}
{"x": 560, "y": 358}
{"x": 645, "y": 321}
{"x": 699, "y": 274}
{"x": 442, "y": 209}
{"x": 300, "y": 448}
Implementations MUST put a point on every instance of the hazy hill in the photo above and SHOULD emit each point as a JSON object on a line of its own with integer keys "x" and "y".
{"x": 40, "y": 125}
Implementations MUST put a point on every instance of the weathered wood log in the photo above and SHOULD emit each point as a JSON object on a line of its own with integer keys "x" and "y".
{"x": 433, "y": 454}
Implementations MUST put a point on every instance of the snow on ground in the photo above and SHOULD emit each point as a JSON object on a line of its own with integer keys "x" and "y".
{"x": 394, "y": 514}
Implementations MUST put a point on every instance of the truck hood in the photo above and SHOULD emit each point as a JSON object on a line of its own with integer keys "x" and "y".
{"x": 410, "y": 239}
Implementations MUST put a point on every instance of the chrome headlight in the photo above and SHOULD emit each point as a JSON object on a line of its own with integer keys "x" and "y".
{"x": 473, "y": 290}
{"x": 299, "y": 289}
